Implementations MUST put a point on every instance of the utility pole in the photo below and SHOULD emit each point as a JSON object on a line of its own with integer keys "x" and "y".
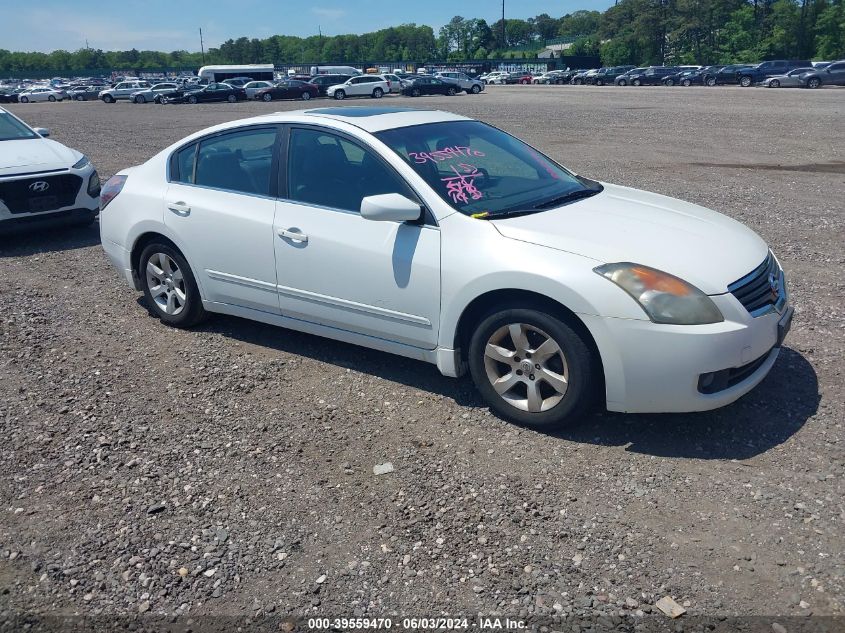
{"x": 504, "y": 44}
{"x": 202, "y": 48}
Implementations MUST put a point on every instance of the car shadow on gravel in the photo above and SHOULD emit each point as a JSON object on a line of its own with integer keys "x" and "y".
{"x": 764, "y": 418}
{"x": 47, "y": 240}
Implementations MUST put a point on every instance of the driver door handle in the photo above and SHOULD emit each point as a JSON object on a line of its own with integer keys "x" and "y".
{"x": 295, "y": 236}
{"x": 180, "y": 209}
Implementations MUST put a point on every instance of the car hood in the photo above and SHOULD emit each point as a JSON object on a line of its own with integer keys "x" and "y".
{"x": 620, "y": 224}
{"x": 37, "y": 154}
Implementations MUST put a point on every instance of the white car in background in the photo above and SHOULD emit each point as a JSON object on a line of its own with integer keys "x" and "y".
{"x": 495, "y": 77}
{"x": 254, "y": 86}
{"x": 35, "y": 95}
{"x": 154, "y": 93}
{"x": 395, "y": 82}
{"x": 42, "y": 181}
{"x": 361, "y": 86}
{"x": 440, "y": 238}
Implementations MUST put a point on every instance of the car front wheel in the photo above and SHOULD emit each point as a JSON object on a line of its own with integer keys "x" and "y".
{"x": 306, "y": 96}
{"x": 532, "y": 368}
{"x": 774, "y": 83}
{"x": 686, "y": 83}
{"x": 51, "y": 98}
{"x": 267, "y": 96}
{"x": 711, "y": 82}
{"x": 140, "y": 99}
{"x": 814, "y": 83}
{"x": 475, "y": 89}
{"x": 169, "y": 286}
{"x": 24, "y": 99}
{"x": 192, "y": 99}
{"x": 339, "y": 95}
{"x": 378, "y": 93}
{"x": 745, "y": 82}
{"x": 231, "y": 98}
{"x": 451, "y": 91}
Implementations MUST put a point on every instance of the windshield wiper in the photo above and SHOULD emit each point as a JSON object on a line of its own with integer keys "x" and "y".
{"x": 570, "y": 197}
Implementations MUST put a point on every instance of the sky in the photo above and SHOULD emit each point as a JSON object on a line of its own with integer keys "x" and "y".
{"x": 166, "y": 25}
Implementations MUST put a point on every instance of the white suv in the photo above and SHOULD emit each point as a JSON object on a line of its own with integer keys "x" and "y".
{"x": 361, "y": 86}
{"x": 123, "y": 90}
{"x": 42, "y": 181}
{"x": 440, "y": 238}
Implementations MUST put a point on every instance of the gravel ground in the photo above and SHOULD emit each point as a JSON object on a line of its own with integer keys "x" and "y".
{"x": 229, "y": 469}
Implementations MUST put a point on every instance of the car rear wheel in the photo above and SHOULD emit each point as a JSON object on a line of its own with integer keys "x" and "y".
{"x": 451, "y": 91}
{"x": 532, "y": 368}
{"x": 51, "y": 98}
{"x": 140, "y": 99}
{"x": 622, "y": 82}
{"x": 339, "y": 95}
{"x": 774, "y": 83}
{"x": 192, "y": 99}
{"x": 745, "y": 81}
{"x": 169, "y": 286}
{"x": 108, "y": 99}
{"x": 475, "y": 89}
{"x": 577, "y": 82}
{"x": 267, "y": 97}
{"x": 711, "y": 81}
{"x": 599, "y": 82}
{"x": 306, "y": 96}
{"x": 415, "y": 92}
{"x": 686, "y": 83}
{"x": 814, "y": 83}
{"x": 79, "y": 98}
{"x": 231, "y": 98}
{"x": 636, "y": 82}
{"x": 670, "y": 82}
{"x": 378, "y": 93}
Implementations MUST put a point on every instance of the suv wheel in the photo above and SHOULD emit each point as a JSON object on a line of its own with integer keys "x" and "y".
{"x": 192, "y": 99}
{"x": 339, "y": 94}
{"x": 140, "y": 99}
{"x": 79, "y": 98}
{"x": 415, "y": 92}
{"x": 532, "y": 368}
{"x": 266, "y": 97}
{"x": 231, "y": 98}
{"x": 306, "y": 96}
{"x": 599, "y": 82}
{"x": 475, "y": 89}
{"x": 669, "y": 82}
{"x": 378, "y": 93}
{"x": 686, "y": 83}
{"x": 745, "y": 81}
{"x": 108, "y": 98}
{"x": 636, "y": 82}
{"x": 169, "y": 286}
{"x": 711, "y": 81}
{"x": 622, "y": 82}
{"x": 451, "y": 91}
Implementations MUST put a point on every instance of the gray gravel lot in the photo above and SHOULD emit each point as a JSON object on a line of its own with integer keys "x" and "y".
{"x": 229, "y": 469}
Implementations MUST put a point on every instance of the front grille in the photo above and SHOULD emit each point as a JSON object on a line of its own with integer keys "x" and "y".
{"x": 761, "y": 287}
{"x": 31, "y": 195}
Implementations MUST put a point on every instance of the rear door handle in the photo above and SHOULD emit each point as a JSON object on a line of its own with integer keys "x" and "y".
{"x": 294, "y": 235}
{"x": 180, "y": 209}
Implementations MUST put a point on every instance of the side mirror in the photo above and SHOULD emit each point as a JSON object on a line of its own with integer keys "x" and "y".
{"x": 41, "y": 131}
{"x": 390, "y": 207}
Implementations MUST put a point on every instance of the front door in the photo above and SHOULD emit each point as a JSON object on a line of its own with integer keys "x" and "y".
{"x": 220, "y": 204}
{"x": 335, "y": 268}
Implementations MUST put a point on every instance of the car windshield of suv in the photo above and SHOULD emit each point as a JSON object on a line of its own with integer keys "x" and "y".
{"x": 484, "y": 172}
{"x": 11, "y": 129}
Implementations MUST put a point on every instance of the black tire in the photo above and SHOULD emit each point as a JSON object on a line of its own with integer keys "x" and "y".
{"x": 415, "y": 92}
{"x": 745, "y": 81}
{"x": 636, "y": 82}
{"x": 711, "y": 81}
{"x": 622, "y": 82}
{"x": 306, "y": 96}
{"x": 108, "y": 99}
{"x": 774, "y": 83}
{"x": 378, "y": 93}
{"x": 475, "y": 89}
{"x": 599, "y": 82}
{"x": 340, "y": 95}
{"x": 232, "y": 98}
{"x": 580, "y": 361}
{"x": 670, "y": 82}
{"x": 814, "y": 82}
{"x": 192, "y": 99}
{"x": 686, "y": 83}
{"x": 451, "y": 91}
{"x": 79, "y": 98}
{"x": 23, "y": 99}
{"x": 140, "y": 99}
{"x": 266, "y": 97}
{"x": 51, "y": 98}
{"x": 192, "y": 311}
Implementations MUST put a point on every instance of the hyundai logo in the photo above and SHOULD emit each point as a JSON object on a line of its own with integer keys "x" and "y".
{"x": 40, "y": 186}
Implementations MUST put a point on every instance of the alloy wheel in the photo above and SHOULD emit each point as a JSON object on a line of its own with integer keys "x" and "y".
{"x": 166, "y": 284}
{"x": 526, "y": 367}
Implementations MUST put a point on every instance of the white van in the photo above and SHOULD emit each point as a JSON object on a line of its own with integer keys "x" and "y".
{"x": 256, "y": 72}
{"x": 335, "y": 70}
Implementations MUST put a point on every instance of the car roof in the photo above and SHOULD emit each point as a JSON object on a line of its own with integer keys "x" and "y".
{"x": 368, "y": 118}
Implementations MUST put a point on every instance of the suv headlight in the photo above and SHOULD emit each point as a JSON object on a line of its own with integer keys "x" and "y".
{"x": 664, "y": 297}
{"x": 82, "y": 162}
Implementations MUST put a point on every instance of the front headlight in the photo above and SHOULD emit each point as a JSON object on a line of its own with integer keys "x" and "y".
{"x": 664, "y": 297}
{"x": 82, "y": 162}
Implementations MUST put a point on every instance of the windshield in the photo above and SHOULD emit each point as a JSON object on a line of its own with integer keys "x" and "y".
{"x": 13, "y": 129}
{"x": 482, "y": 171}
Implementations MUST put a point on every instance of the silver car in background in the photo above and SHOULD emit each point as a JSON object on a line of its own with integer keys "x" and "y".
{"x": 468, "y": 85}
{"x": 153, "y": 94}
{"x": 254, "y": 86}
{"x": 789, "y": 80}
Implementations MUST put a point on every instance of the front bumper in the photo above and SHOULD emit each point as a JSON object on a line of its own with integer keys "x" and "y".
{"x": 656, "y": 368}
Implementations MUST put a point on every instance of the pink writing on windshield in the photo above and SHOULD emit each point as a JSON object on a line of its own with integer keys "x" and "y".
{"x": 446, "y": 153}
{"x": 461, "y": 187}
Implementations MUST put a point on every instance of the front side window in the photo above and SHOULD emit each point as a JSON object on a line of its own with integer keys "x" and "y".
{"x": 330, "y": 171}
{"x": 480, "y": 170}
{"x": 238, "y": 161}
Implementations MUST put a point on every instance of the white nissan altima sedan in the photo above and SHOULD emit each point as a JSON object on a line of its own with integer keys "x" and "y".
{"x": 437, "y": 237}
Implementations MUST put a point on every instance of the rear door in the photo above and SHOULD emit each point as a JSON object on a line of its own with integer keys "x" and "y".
{"x": 836, "y": 74}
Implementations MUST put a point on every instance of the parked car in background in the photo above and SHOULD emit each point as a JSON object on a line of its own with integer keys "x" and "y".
{"x": 519, "y": 77}
{"x": 287, "y": 89}
{"x": 694, "y": 77}
{"x": 210, "y": 93}
{"x": 550, "y": 77}
{"x": 580, "y": 78}
{"x": 154, "y": 93}
{"x": 41, "y": 180}
{"x": 724, "y": 76}
{"x": 624, "y": 78}
{"x": 252, "y": 87}
{"x": 35, "y": 95}
{"x": 463, "y": 81}
{"x": 238, "y": 82}
{"x": 652, "y": 76}
{"x": 833, "y": 75}
{"x": 361, "y": 86}
{"x": 9, "y": 95}
{"x": 608, "y": 75}
{"x": 789, "y": 80}
{"x": 395, "y": 82}
{"x": 430, "y": 86}
{"x": 324, "y": 82}
{"x": 123, "y": 90}
{"x": 83, "y": 93}
{"x": 755, "y": 74}
{"x": 495, "y": 77}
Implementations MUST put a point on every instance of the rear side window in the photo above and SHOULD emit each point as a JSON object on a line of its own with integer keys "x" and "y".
{"x": 184, "y": 165}
{"x": 239, "y": 161}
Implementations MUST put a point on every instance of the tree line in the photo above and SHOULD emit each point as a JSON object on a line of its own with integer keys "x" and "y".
{"x": 630, "y": 32}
